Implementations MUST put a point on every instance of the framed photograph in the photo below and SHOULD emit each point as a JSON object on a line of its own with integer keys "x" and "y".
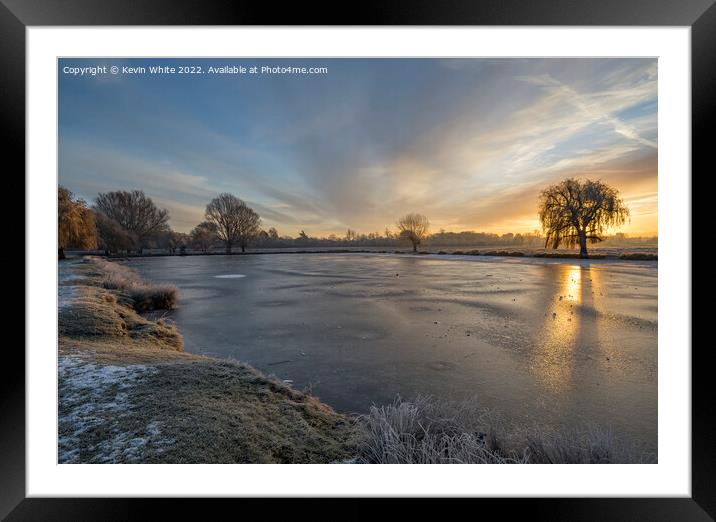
{"x": 442, "y": 252}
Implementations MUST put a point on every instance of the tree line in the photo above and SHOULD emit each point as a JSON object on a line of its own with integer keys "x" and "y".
{"x": 122, "y": 221}
{"x": 572, "y": 213}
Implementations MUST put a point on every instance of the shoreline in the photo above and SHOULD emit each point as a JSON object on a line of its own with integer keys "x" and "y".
{"x": 128, "y": 395}
{"x": 443, "y": 254}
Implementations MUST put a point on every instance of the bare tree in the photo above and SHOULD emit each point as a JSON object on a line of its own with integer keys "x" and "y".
{"x": 273, "y": 233}
{"x": 113, "y": 237}
{"x": 414, "y": 228}
{"x": 134, "y": 211}
{"x": 576, "y": 212}
{"x": 249, "y": 226}
{"x": 75, "y": 223}
{"x": 235, "y": 222}
{"x": 203, "y": 236}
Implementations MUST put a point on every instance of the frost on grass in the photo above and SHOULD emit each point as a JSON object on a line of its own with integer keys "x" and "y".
{"x": 66, "y": 274}
{"x": 429, "y": 431}
{"x": 145, "y": 296}
{"x": 67, "y": 288}
{"x": 97, "y": 419}
{"x": 65, "y": 295}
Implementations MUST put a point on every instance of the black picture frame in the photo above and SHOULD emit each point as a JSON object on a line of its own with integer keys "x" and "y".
{"x": 16, "y": 15}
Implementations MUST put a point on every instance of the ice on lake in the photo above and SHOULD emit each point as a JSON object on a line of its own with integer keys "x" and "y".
{"x": 547, "y": 341}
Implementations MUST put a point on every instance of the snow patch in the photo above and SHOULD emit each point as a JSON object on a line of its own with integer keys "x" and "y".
{"x": 98, "y": 397}
{"x": 230, "y": 276}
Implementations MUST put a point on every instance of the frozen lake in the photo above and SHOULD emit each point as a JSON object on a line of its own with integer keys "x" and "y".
{"x": 541, "y": 341}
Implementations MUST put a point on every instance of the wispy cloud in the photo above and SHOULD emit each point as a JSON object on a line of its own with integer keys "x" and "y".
{"x": 595, "y": 108}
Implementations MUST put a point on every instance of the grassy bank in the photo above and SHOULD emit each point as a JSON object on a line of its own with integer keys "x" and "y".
{"x": 129, "y": 393}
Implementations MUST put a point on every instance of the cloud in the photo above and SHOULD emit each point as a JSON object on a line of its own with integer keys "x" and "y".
{"x": 93, "y": 169}
{"x": 468, "y": 142}
{"x": 600, "y": 106}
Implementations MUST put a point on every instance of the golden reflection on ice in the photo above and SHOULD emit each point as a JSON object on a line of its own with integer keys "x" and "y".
{"x": 573, "y": 284}
{"x": 558, "y": 336}
{"x": 604, "y": 337}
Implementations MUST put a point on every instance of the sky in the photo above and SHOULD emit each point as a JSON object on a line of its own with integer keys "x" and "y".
{"x": 469, "y": 143}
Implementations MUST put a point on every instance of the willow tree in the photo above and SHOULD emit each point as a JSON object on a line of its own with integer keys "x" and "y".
{"x": 576, "y": 212}
{"x": 235, "y": 222}
{"x": 414, "y": 228}
{"x": 75, "y": 223}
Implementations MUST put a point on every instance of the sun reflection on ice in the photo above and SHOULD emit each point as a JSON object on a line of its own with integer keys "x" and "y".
{"x": 558, "y": 336}
{"x": 605, "y": 337}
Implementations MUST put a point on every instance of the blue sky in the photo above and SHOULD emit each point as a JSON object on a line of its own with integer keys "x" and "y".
{"x": 467, "y": 142}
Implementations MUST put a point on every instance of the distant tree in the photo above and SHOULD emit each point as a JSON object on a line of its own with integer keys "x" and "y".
{"x": 112, "y": 236}
{"x": 249, "y": 226}
{"x": 170, "y": 240}
{"x": 302, "y": 236}
{"x": 351, "y": 235}
{"x": 179, "y": 241}
{"x": 183, "y": 240}
{"x": 204, "y": 235}
{"x": 273, "y": 233}
{"x": 235, "y": 222}
{"x": 414, "y": 228}
{"x": 619, "y": 238}
{"x": 134, "y": 211}
{"x": 576, "y": 212}
{"x": 75, "y": 223}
